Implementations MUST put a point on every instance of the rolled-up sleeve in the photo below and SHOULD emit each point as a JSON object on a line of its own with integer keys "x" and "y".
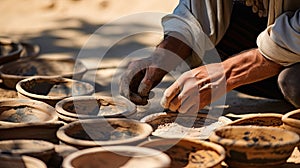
{"x": 201, "y": 22}
{"x": 280, "y": 42}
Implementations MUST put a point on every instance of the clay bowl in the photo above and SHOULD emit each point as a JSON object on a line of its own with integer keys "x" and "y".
{"x": 12, "y": 73}
{"x": 291, "y": 122}
{"x": 255, "y": 146}
{"x": 265, "y": 119}
{"x": 176, "y": 125}
{"x": 117, "y": 156}
{"x": 52, "y": 89}
{"x": 9, "y": 50}
{"x": 87, "y": 107}
{"x": 40, "y": 131}
{"x": 7, "y": 161}
{"x": 29, "y": 50}
{"x": 189, "y": 153}
{"x": 35, "y": 148}
{"x": 103, "y": 132}
{"x": 16, "y": 111}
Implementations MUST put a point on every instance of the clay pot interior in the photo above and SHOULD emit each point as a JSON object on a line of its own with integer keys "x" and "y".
{"x": 7, "y": 161}
{"x": 52, "y": 89}
{"x": 84, "y": 107}
{"x": 255, "y": 146}
{"x": 35, "y": 148}
{"x": 117, "y": 156}
{"x": 103, "y": 132}
{"x": 16, "y": 111}
{"x": 188, "y": 153}
{"x": 174, "y": 125}
{"x": 13, "y": 72}
{"x": 266, "y": 119}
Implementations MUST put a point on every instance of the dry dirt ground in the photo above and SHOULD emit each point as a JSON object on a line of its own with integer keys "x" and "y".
{"x": 64, "y": 27}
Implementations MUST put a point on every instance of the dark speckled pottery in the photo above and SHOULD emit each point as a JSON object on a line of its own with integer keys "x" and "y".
{"x": 255, "y": 146}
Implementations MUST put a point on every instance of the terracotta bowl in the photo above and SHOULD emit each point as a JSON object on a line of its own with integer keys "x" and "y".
{"x": 103, "y": 132}
{"x": 117, "y": 156}
{"x": 9, "y": 50}
{"x": 291, "y": 122}
{"x": 175, "y": 125}
{"x": 40, "y": 131}
{"x": 7, "y": 161}
{"x": 29, "y": 50}
{"x": 15, "y": 111}
{"x": 87, "y": 107}
{"x": 35, "y": 148}
{"x": 189, "y": 153}
{"x": 12, "y": 73}
{"x": 265, "y": 119}
{"x": 255, "y": 146}
{"x": 52, "y": 89}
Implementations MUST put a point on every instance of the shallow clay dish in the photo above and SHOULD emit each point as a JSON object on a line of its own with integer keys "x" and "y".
{"x": 9, "y": 50}
{"x": 176, "y": 125}
{"x": 15, "y": 111}
{"x": 103, "y": 132}
{"x": 12, "y": 73}
{"x": 255, "y": 146}
{"x": 265, "y": 119}
{"x": 189, "y": 153}
{"x": 36, "y": 148}
{"x": 52, "y": 89}
{"x": 7, "y": 161}
{"x": 117, "y": 156}
{"x": 86, "y": 107}
{"x": 39, "y": 131}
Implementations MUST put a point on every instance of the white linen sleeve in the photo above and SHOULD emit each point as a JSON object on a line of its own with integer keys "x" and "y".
{"x": 280, "y": 42}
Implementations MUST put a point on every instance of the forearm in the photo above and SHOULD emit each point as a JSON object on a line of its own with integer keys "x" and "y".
{"x": 248, "y": 67}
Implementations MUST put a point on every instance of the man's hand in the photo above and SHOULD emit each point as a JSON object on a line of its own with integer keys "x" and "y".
{"x": 139, "y": 78}
{"x": 143, "y": 75}
{"x": 200, "y": 86}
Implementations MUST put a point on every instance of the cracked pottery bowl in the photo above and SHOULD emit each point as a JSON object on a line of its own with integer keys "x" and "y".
{"x": 103, "y": 132}
{"x": 189, "y": 153}
{"x": 52, "y": 89}
{"x": 255, "y": 146}
{"x": 117, "y": 156}
{"x": 88, "y": 107}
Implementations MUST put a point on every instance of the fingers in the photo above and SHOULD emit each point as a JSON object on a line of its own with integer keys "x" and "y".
{"x": 168, "y": 96}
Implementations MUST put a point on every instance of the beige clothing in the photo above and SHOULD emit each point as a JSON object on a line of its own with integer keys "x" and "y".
{"x": 203, "y": 23}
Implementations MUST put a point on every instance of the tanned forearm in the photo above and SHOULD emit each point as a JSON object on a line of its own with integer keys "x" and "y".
{"x": 248, "y": 67}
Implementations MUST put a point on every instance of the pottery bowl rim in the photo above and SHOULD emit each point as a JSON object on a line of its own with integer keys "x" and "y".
{"x": 6, "y": 66}
{"x": 42, "y": 145}
{"x": 242, "y": 144}
{"x": 32, "y": 161}
{"x": 286, "y": 118}
{"x": 41, "y": 106}
{"x": 260, "y": 116}
{"x": 21, "y": 90}
{"x": 164, "y": 158}
{"x": 206, "y": 144}
{"x": 62, "y": 135}
{"x": 130, "y": 107}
